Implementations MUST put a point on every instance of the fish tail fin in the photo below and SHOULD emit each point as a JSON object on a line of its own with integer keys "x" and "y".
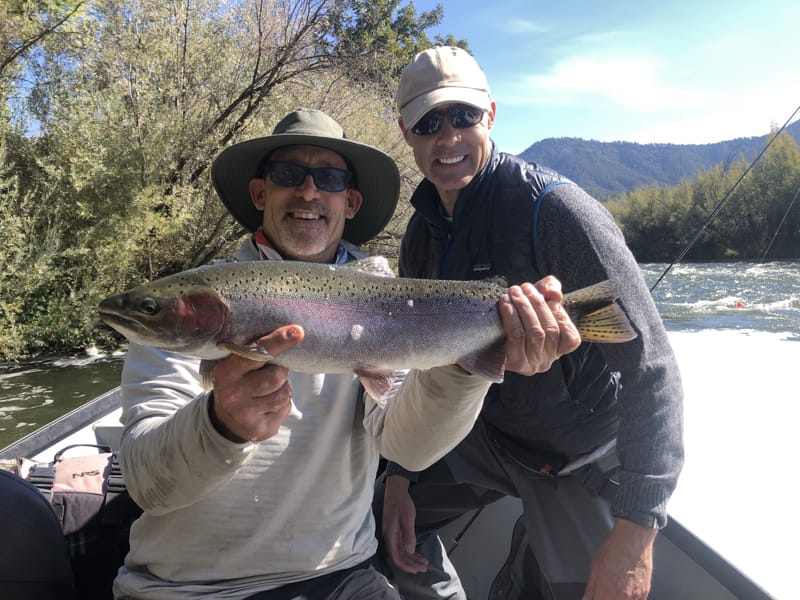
{"x": 609, "y": 325}
{"x": 488, "y": 362}
{"x": 597, "y": 315}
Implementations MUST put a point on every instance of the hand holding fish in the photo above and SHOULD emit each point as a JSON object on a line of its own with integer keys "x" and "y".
{"x": 251, "y": 399}
{"x": 538, "y": 329}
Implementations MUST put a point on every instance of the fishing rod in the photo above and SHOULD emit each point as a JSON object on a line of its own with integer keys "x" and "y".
{"x": 453, "y": 544}
{"x": 724, "y": 201}
{"x": 783, "y": 220}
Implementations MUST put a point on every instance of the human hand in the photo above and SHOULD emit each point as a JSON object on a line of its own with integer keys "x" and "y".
{"x": 399, "y": 515}
{"x": 622, "y": 567}
{"x": 251, "y": 399}
{"x": 538, "y": 329}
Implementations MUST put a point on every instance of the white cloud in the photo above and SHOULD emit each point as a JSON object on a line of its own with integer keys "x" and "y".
{"x": 635, "y": 83}
{"x": 521, "y": 26}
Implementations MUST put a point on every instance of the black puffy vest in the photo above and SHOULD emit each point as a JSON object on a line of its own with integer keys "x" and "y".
{"x": 570, "y": 409}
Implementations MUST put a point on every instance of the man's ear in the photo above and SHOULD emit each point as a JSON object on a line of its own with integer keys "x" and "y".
{"x": 257, "y": 192}
{"x": 491, "y": 112}
{"x": 354, "y": 201}
{"x": 403, "y": 128}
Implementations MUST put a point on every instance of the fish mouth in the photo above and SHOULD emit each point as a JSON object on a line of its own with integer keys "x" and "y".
{"x": 121, "y": 323}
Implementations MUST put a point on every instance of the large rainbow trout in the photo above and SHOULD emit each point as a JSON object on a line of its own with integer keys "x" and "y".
{"x": 357, "y": 317}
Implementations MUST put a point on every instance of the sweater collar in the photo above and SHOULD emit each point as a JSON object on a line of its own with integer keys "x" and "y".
{"x": 345, "y": 252}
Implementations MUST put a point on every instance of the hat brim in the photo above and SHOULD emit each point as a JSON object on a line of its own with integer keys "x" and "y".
{"x": 377, "y": 176}
{"x": 419, "y": 106}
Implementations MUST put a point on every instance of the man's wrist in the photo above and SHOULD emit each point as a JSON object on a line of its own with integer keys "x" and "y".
{"x": 219, "y": 426}
{"x": 643, "y": 519}
{"x": 394, "y": 469}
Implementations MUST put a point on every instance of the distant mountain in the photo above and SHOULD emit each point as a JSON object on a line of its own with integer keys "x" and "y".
{"x": 606, "y": 169}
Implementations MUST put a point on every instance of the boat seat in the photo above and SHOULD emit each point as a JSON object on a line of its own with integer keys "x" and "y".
{"x": 34, "y": 558}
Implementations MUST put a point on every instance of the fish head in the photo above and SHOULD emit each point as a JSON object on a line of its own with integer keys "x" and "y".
{"x": 177, "y": 313}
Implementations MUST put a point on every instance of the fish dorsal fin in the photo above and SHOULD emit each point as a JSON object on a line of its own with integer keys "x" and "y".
{"x": 498, "y": 280}
{"x": 374, "y": 265}
{"x": 488, "y": 362}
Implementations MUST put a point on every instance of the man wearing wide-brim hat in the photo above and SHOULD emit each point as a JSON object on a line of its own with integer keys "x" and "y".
{"x": 261, "y": 488}
{"x": 244, "y": 173}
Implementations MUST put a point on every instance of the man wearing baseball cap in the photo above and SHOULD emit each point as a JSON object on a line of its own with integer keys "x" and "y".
{"x": 261, "y": 487}
{"x": 593, "y": 446}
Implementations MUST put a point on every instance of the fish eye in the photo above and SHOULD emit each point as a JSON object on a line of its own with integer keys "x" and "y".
{"x": 149, "y": 306}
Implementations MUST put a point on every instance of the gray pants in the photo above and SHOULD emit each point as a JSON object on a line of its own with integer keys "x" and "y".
{"x": 565, "y": 519}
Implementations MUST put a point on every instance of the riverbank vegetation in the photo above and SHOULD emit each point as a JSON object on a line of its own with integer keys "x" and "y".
{"x": 113, "y": 112}
{"x": 760, "y": 219}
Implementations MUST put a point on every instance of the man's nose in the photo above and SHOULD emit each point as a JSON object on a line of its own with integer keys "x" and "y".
{"x": 308, "y": 189}
{"x": 447, "y": 133}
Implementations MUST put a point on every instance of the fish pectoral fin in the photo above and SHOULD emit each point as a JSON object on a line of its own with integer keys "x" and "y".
{"x": 256, "y": 353}
{"x": 376, "y": 382}
{"x": 206, "y": 371}
{"x": 606, "y": 325}
{"x": 489, "y": 362}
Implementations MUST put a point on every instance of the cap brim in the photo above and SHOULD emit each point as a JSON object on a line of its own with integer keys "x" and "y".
{"x": 419, "y": 106}
{"x": 378, "y": 180}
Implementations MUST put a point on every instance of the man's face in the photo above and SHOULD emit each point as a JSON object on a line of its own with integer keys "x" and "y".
{"x": 451, "y": 157}
{"x": 304, "y": 222}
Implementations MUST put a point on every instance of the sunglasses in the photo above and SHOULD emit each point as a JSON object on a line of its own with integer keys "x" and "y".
{"x": 289, "y": 174}
{"x": 460, "y": 116}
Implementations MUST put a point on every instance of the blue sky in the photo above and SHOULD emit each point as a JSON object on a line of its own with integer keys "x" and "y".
{"x": 680, "y": 71}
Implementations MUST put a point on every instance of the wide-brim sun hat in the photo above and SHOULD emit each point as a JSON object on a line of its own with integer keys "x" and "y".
{"x": 377, "y": 177}
{"x": 441, "y": 75}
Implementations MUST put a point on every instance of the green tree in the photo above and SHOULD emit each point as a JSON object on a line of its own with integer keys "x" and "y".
{"x": 131, "y": 108}
{"x": 374, "y": 41}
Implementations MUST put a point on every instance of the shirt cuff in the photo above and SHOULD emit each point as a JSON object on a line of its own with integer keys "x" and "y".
{"x": 392, "y": 468}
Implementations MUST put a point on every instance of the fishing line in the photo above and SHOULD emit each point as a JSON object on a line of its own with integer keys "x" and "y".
{"x": 783, "y": 220}
{"x": 722, "y": 202}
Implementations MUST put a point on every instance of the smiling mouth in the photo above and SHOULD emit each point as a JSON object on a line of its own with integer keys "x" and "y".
{"x": 305, "y": 216}
{"x": 451, "y": 160}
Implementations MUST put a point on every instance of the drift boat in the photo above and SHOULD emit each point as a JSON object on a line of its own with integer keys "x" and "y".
{"x": 685, "y": 568}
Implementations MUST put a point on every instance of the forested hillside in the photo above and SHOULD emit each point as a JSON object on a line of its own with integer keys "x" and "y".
{"x": 735, "y": 212}
{"x": 609, "y": 168}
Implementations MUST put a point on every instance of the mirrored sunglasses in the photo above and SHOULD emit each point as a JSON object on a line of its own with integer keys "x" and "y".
{"x": 289, "y": 174}
{"x": 461, "y": 116}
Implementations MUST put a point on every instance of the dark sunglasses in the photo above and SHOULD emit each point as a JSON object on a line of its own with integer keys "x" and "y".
{"x": 460, "y": 116}
{"x": 289, "y": 174}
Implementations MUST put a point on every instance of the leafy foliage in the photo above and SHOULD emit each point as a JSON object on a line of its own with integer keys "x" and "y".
{"x": 104, "y": 177}
{"x": 760, "y": 218}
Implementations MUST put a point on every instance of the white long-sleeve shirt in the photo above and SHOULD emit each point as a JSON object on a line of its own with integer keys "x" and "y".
{"x": 227, "y": 520}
